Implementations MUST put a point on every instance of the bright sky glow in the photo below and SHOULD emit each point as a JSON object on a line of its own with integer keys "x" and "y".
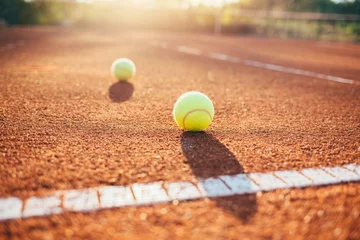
{"x": 156, "y": 3}
{"x": 212, "y": 3}
{"x": 186, "y": 3}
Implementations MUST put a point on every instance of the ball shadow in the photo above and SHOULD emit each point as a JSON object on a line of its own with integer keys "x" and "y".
{"x": 121, "y": 91}
{"x": 208, "y": 157}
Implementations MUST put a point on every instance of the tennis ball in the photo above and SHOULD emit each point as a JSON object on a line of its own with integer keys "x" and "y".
{"x": 123, "y": 69}
{"x": 193, "y": 111}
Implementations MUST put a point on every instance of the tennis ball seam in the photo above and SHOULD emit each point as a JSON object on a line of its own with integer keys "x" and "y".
{"x": 192, "y": 111}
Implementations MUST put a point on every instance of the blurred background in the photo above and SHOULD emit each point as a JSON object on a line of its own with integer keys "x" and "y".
{"x": 337, "y": 20}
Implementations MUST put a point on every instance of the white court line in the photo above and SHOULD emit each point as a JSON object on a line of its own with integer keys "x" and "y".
{"x": 297, "y": 71}
{"x": 92, "y": 199}
{"x": 188, "y": 50}
{"x": 218, "y": 56}
{"x": 273, "y": 67}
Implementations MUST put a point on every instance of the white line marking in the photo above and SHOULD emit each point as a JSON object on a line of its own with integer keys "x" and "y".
{"x": 357, "y": 170}
{"x": 319, "y": 177}
{"x": 240, "y": 184}
{"x": 182, "y": 191}
{"x": 267, "y": 181}
{"x": 293, "y": 178}
{"x": 158, "y": 192}
{"x": 149, "y": 193}
{"x": 42, "y": 206}
{"x": 81, "y": 200}
{"x": 273, "y": 67}
{"x": 114, "y": 196}
{"x": 345, "y": 175}
{"x": 213, "y": 187}
{"x": 234, "y": 59}
{"x": 297, "y": 71}
{"x": 10, "y": 208}
{"x": 353, "y": 167}
{"x": 189, "y": 50}
{"x": 219, "y": 56}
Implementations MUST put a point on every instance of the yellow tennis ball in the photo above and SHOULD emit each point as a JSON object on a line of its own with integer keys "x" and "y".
{"x": 193, "y": 111}
{"x": 123, "y": 69}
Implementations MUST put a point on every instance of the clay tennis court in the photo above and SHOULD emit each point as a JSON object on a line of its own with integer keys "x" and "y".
{"x": 66, "y": 124}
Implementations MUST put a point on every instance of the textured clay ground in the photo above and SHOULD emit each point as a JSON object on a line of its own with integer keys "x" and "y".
{"x": 66, "y": 124}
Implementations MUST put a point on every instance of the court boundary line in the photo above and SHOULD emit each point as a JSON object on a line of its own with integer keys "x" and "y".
{"x": 273, "y": 67}
{"x": 142, "y": 194}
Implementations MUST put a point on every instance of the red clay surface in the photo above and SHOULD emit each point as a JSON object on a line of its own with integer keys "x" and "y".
{"x": 66, "y": 124}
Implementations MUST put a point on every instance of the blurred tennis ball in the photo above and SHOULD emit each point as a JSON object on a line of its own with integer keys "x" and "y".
{"x": 193, "y": 111}
{"x": 123, "y": 69}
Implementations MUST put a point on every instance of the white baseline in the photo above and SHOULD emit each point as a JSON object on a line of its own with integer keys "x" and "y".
{"x": 92, "y": 199}
{"x": 273, "y": 67}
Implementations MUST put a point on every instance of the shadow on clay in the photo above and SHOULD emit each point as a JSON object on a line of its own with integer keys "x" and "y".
{"x": 121, "y": 91}
{"x": 207, "y": 158}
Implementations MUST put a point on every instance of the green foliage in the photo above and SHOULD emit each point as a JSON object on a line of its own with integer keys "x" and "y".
{"x": 321, "y": 6}
{"x": 8, "y": 11}
{"x": 325, "y": 6}
{"x": 102, "y": 13}
{"x": 341, "y": 30}
{"x": 317, "y": 30}
{"x": 38, "y": 12}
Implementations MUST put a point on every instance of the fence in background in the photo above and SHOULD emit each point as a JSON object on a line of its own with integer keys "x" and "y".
{"x": 276, "y": 15}
{"x": 102, "y": 13}
{"x": 291, "y": 24}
